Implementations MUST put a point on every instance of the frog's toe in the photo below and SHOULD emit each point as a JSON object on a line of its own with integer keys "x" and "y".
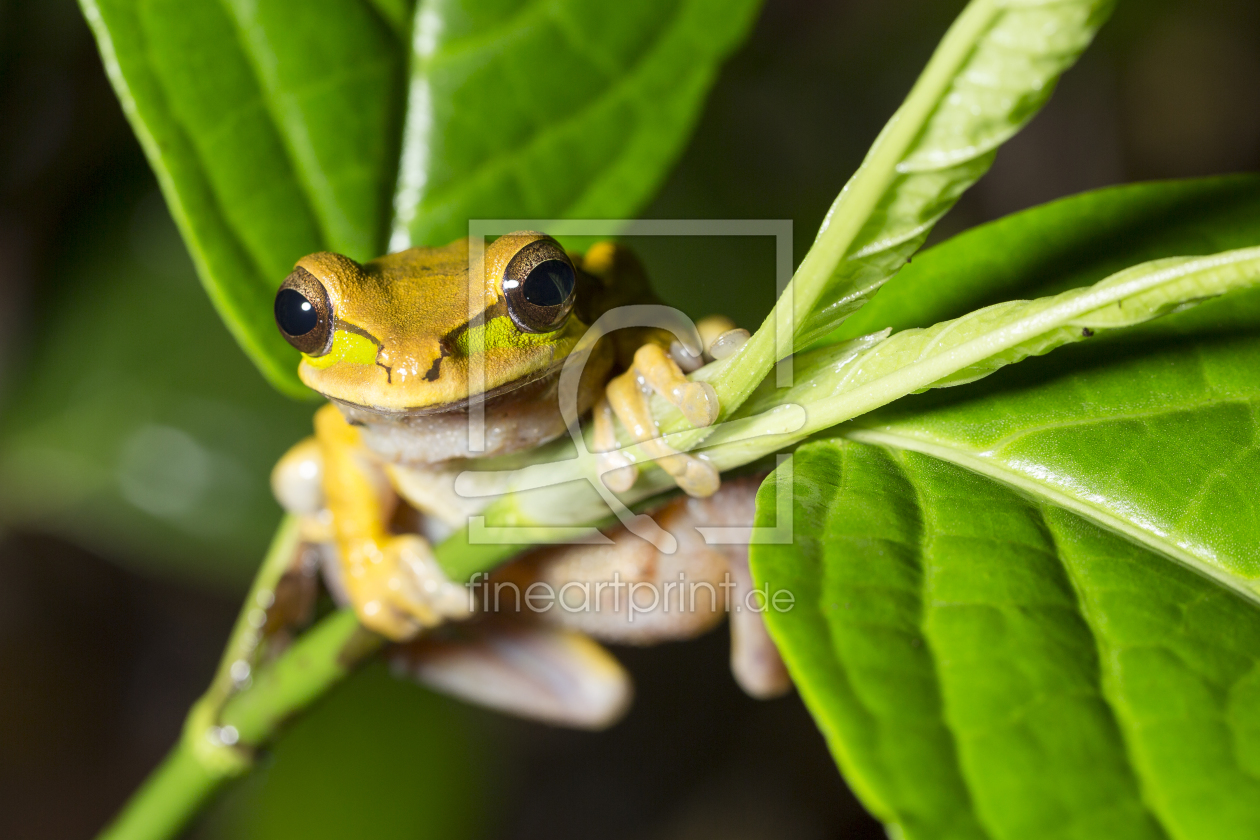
{"x": 616, "y": 471}
{"x": 423, "y": 588}
{"x": 297, "y": 481}
{"x": 698, "y": 402}
{"x": 627, "y": 397}
{"x": 695, "y": 476}
{"x": 657, "y": 370}
{"x": 403, "y": 590}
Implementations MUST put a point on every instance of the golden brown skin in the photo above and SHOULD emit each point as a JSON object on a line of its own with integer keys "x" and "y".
{"x": 413, "y": 336}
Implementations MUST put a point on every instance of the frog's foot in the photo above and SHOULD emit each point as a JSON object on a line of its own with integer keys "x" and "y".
{"x": 397, "y": 587}
{"x": 297, "y": 482}
{"x": 549, "y": 674}
{"x": 719, "y": 337}
{"x": 628, "y": 397}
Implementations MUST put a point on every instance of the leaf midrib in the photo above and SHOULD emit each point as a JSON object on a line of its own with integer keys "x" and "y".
{"x": 1093, "y": 513}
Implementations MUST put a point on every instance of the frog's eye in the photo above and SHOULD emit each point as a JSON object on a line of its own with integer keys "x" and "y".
{"x": 304, "y": 314}
{"x": 538, "y": 284}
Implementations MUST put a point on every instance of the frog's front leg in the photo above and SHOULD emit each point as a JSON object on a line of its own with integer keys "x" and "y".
{"x": 392, "y": 580}
{"x": 628, "y": 397}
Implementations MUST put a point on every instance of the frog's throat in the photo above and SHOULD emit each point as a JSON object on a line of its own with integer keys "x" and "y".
{"x": 519, "y": 417}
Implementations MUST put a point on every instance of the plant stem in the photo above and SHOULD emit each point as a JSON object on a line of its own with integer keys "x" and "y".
{"x": 200, "y": 764}
{"x": 222, "y": 726}
{"x": 173, "y": 793}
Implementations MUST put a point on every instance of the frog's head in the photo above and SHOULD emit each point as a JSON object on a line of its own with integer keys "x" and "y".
{"x": 402, "y": 332}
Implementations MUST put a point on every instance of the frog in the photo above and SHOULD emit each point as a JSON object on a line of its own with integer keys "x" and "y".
{"x": 403, "y": 347}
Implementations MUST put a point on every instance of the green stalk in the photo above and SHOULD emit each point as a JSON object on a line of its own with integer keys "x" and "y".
{"x": 227, "y": 722}
{"x": 201, "y": 764}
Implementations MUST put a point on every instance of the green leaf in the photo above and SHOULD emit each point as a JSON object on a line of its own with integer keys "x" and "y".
{"x": 1155, "y": 441}
{"x": 569, "y": 109}
{"x": 1039, "y": 658}
{"x": 840, "y": 382}
{"x": 984, "y": 665}
{"x": 269, "y": 125}
{"x": 995, "y": 68}
{"x": 276, "y": 127}
{"x": 1063, "y": 245}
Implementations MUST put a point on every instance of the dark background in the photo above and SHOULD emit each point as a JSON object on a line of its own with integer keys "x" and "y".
{"x": 115, "y": 597}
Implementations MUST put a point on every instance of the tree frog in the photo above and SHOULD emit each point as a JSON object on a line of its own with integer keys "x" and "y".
{"x": 398, "y": 346}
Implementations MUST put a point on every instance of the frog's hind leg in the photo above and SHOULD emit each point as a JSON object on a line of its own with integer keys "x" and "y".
{"x": 392, "y": 580}
{"x": 629, "y": 592}
{"x": 548, "y": 674}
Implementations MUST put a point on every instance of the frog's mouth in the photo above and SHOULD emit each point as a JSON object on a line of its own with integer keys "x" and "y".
{"x": 506, "y": 395}
{"x": 519, "y": 416}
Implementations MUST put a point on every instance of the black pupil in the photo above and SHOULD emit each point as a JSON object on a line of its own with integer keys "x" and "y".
{"x": 549, "y": 284}
{"x": 294, "y": 313}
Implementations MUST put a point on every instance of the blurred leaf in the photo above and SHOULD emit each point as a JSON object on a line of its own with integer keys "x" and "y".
{"x": 984, "y": 665}
{"x": 412, "y": 767}
{"x": 275, "y": 126}
{"x": 138, "y": 428}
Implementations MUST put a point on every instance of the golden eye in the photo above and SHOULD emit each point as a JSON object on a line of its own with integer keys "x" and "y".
{"x": 539, "y": 285}
{"x": 304, "y": 314}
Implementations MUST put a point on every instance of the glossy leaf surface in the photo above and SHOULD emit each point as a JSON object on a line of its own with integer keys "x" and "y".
{"x": 843, "y": 381}
{"x": 533, "y": 110}
{"x": 985, "y": 665}
{"x": 1066, "y": 244}
{"x": 989, "y": 661}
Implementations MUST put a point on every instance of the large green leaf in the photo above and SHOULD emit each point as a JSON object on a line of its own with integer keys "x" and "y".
{"x": 1157, "y": 441}
{"x": 276, "y": 127}
{"x": 984, "y": 658}
{"x": 535, "y": 110}
{"x": 985, "y": 665}
{"x": 270, "y": 126}
{"x": 1065, "y": 244}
